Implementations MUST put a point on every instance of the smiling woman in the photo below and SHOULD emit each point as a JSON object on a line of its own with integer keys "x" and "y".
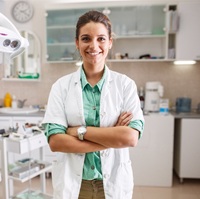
{"x": 93, "y": 44}
{"x": 93, "y": 116}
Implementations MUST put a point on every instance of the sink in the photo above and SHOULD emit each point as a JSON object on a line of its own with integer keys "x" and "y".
{"x": 25, "y": 110}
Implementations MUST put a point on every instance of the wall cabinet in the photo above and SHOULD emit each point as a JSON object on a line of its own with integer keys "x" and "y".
{"x": 138, "y": 31}
{"x": 186, "y": 148}
{"x": 60, "y": 34}
{"x": 188, "y": 37}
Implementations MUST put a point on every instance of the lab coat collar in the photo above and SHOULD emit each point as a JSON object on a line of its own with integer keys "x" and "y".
{"x": 77, "y": 76}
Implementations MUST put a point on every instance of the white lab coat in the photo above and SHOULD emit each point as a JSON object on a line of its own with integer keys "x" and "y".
{"x": 65, "y": 107}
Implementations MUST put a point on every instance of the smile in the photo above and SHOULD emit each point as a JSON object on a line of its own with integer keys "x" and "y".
{"x": 93, "y": 53}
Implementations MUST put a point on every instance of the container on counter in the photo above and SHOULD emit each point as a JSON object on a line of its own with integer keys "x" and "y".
{"x": 183, "y": 104}
{"x": 164, "y": 106}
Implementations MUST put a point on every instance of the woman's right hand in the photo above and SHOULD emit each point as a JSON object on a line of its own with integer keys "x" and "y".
{"x": 124, "y": 119}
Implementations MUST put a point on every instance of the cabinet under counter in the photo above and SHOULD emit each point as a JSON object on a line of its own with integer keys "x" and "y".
{"x": 187, "y": 148}
{"x": 152, "y": 158}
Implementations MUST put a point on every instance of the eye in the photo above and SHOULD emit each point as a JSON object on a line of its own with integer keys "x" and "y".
{"x": 85, "y": 39}
{"x": 102, "y": 39}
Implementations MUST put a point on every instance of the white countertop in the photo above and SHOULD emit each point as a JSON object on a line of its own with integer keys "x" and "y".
{"x": 176, "y": 115}
{"x": 36, "y": 114}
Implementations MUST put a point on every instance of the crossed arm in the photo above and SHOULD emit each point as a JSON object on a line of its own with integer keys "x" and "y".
{"x": 97, "y": 138}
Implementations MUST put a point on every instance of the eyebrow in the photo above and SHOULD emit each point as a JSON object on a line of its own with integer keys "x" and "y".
{"x": 97, "y": 35}
{"x": 84, "y": 35}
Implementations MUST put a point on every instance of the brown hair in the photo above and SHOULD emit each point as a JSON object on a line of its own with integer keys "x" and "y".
{"x": 94, "y": 16}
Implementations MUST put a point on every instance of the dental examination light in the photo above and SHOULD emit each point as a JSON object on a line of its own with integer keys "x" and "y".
{"x": 11, "y": 42}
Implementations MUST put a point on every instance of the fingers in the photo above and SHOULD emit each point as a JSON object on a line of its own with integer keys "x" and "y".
{"x": 124, "y": 119}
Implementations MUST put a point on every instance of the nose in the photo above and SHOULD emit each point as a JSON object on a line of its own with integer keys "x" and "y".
{"x": 93, "y": 44}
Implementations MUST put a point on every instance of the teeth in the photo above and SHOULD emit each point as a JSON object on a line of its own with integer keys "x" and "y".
{"x": 93, "y": 53}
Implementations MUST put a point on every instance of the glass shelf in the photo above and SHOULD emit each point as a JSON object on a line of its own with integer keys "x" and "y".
{"x": 47, "y": 167}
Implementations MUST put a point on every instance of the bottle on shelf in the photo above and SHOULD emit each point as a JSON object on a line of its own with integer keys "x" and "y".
{"x": 14, "y": 102}
{"x": 7, "y": 100}
{"x": 141, "y": 96}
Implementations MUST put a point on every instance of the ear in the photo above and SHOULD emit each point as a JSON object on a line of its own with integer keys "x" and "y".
{"x": 77, "y": 44}
{"x": 110, "y": 44}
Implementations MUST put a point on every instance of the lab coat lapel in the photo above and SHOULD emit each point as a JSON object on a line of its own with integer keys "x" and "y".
{"x": 105, "y": 91}
{"x": 78, "y": 94}
{"x": 107, "y": 84}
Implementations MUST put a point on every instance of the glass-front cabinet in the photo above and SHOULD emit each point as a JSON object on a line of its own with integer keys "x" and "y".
{"x": 60, "y": 27}
{"x": 60, "y": 30}
{"x": 139, "y": 32}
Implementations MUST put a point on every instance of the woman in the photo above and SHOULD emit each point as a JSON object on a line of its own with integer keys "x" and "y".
{"x": 93, "y": 115}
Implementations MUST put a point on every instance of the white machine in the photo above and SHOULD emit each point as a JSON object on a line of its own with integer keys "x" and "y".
{"x": 153, "y": 93}
{"x": 11, "y": 42}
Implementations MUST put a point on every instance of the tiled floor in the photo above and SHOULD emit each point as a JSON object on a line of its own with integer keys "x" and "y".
{"x": 189, "y": 189}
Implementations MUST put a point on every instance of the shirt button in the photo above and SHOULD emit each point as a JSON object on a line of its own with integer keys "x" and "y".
{"x": 92, "y": 167}
{"x": 94, "y": 107}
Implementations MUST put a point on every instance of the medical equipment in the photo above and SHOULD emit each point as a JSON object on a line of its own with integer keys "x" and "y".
{"x": 153, "y": 93}
{"x": 11, "y": 42}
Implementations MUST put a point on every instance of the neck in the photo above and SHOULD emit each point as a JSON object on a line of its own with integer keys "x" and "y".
{"x": 93, "y": 73}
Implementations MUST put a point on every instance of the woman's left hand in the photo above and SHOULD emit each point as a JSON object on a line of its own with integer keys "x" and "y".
{"x": 124, "y": 119}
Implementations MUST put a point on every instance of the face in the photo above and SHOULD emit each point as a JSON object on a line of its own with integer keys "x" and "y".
{"x": 94, "y": 43}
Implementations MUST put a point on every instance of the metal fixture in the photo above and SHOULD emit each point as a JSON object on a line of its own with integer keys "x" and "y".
{"x": 11, "y": 42}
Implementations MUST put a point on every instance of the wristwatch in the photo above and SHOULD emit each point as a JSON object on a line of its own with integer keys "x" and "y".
{"x": 81, "y": 131}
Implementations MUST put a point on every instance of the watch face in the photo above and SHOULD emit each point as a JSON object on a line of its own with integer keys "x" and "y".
{"x": 82, "y": 130}
{"x": 22, "y": 11}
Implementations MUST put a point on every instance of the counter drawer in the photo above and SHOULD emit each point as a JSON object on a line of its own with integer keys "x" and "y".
{"x": 27, "y": 144}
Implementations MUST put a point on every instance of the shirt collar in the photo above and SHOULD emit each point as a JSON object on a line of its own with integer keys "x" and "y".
{"x": 84, "y": 81}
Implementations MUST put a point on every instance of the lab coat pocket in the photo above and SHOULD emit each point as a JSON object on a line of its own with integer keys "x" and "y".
{"x": 121, "y": 184}
{"x": 125, "y": 178}
{"x": 58, "y": 173}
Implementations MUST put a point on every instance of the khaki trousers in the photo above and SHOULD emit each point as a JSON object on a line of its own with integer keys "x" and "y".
{"x": 92, "y": 189}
